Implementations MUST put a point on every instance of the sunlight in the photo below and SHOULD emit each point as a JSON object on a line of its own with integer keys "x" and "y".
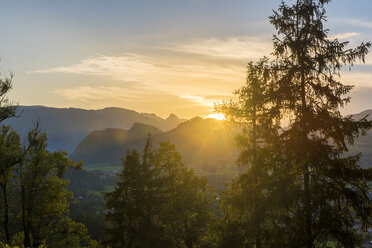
{"x": 217, "y": 116}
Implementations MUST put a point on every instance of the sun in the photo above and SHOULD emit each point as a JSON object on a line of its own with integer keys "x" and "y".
{"x": 218, "y": 116}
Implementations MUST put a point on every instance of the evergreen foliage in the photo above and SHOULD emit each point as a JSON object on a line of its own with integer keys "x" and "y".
{"x": 309, "y": 192}
{"x": 333, "y": 189}
{"x": 247, "y": 199}
{"x": 157, "y": 202}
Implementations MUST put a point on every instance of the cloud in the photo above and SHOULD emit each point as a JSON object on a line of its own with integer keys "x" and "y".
{"x": 343, "y": 35}
{"x": 149, "y": 74}
{"x": 128, "y": 67}
{"x": 205, "y": 68}
{"x": 88, "y": 93}
{"x": 239, "y": 47}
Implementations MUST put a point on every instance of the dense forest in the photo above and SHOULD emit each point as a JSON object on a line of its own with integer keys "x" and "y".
{"x": 297, "y": 181}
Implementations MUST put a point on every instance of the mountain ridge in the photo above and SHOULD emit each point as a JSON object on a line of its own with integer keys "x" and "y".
{"x": 204, "y": 143}
{"x": 66, "y": 127}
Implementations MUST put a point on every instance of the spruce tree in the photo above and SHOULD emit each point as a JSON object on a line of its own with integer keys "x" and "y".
{"x": 303, "y": 189}
{"x": 157, "y": 202}
{"x": 332, "y": 188}
{"x": 247, "y": 199}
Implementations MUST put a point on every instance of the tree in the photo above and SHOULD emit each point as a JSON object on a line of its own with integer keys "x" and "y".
{"x": 318, "y": 191}
{"x": 42, "y": 192}
{"x": 10, "y": 152}
{"x": 127, "y": 207}
{"x": 334, "y": 188}
{"x": 157, "y": 202}
{"x": 6, "y": 108}
{"x": 248, "y": 198}
{"x": 184, "y": 198}
{"x": 9, "y": 149}
{"x": 33, "y": 192}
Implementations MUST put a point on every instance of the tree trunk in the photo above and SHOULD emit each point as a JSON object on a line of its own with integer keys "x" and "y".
{"x": 258, "y": 238}
{"x": 188, "y": 239}
{"x": 255, "y": 163}
{"x": 6, "y": 213}
{"x": 307, "y": 194}
{"x": 26, "y": 231}
{"x": 309, "y": 238}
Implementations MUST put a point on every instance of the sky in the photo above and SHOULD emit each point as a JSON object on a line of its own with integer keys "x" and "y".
{"x": 154, "y": 56}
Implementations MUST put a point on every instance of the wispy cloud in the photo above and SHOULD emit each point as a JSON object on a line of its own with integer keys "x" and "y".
{"x": 88, "y": 93}
{"x": 175, "y": 78}
{"x": 127, "y": 67}
{"x": 343, "y": 35}
{"x": 240, "y": 47}
{"x": 209, "y": 67}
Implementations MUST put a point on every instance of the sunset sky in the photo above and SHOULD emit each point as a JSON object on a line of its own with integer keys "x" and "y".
{"x": 158, "y": 56}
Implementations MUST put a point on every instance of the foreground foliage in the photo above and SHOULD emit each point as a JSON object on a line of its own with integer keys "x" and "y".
{"x": 157, "y": 202}
{"x": 33, "y": 194}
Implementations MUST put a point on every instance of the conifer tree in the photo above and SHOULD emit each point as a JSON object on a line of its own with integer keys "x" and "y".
{"x": 332, "y": 188}
{"x": 316, "y": 191}
{"x": 129, "y": 208}
{"x": 157, "y": 202}
{"x": 246, "y": 201}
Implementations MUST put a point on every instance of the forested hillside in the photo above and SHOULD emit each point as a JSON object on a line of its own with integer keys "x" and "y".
{"x": 205, "y": 144}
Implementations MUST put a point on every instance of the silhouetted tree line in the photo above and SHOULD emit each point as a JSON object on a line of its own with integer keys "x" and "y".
{"x": 298, "y": 186}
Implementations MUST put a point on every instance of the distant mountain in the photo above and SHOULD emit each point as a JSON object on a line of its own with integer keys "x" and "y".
{"x": 108, "y": 145}
{"x": 66, "y": 127}
{"x": 205, "y": 144}
{"x": 363, "y": 114}
{"x": 363, "y": 144}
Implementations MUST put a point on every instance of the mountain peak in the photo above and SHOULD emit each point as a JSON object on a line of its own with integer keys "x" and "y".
{"x": 172, "y": 117}
{"x": 143, "y": 129}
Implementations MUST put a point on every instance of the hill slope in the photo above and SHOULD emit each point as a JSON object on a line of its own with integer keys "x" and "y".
{"x": 108, "y": 145}
{"x": 205, "y": 145}
{"x": 363, "y": 144}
